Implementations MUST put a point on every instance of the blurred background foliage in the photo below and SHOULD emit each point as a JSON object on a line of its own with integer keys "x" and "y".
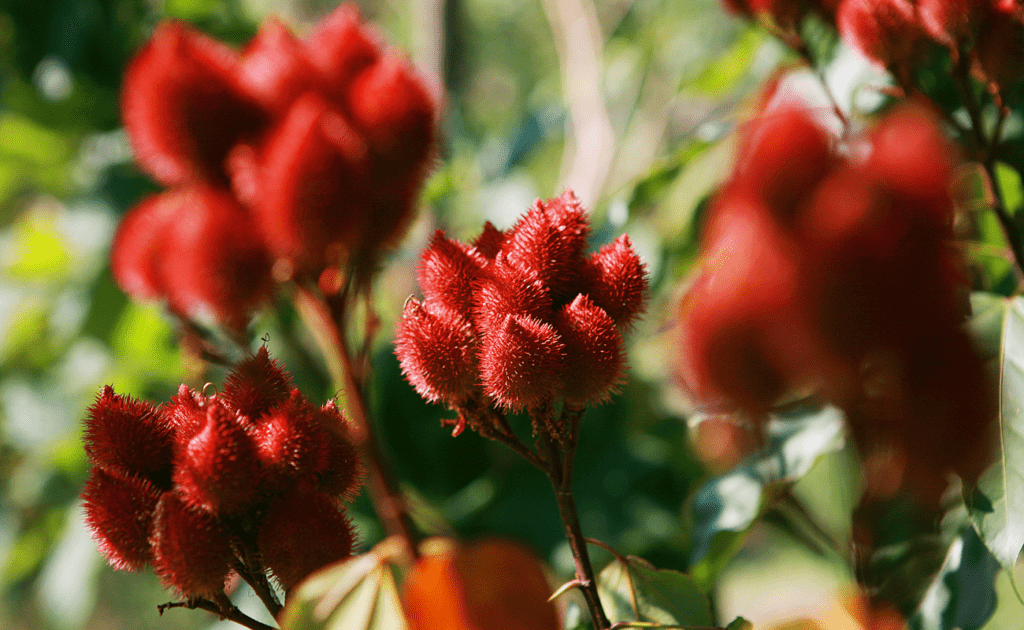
{"x": 657, "y": 84}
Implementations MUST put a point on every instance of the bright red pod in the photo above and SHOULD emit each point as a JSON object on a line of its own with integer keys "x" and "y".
{"x": 436, "y": 348}
{"x": 617, "y": 281}
{"x": 783, "y": 155}
{"x": 889, "y": 32}
{"x": 521, "y": 362}
{"x": 217, "y": 470}
{"x": 287, "y": 444}
{"x": 129, "y": 437}
{"x": 339, "y": 470}
{"x": 275, "y": 69}
{"x": 215, "y": 265}
{"x": 490, "y": 241}
{"x": 507, "y": 289}
{"x": 312, "y": 187}
{"x": 448, "y": 273}
{"x": 191, "y": 551}
{"x": 303, "y": 531}
{"x": 594, "y": 353}
{"x": 183, "y": 107}
{"x": 119, "y": 511}
{"x": 137, "y": 250}
{"x": 257, "y": 385}
{"x": 340, "y": 47}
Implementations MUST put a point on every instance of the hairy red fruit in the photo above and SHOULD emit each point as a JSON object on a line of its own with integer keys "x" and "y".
{"x": 521, "y": 362}
{"x": 303, "y": 531}
{"x": 256, "y": 385}
{"x": 448, "y": 273}
{"x": 489, "y": 585}
{"x": 594, "y": 353}
{"x": 214, "y": 264}
{"x": 186, "y": 412}
{"x": 548, "y": 242}
{"x": 889, "y": 32}
{"x": 617, "y": 281}
{"x": 506, "y": 289}
{"x": 311, "y": 179}
{"x": 341, "y": 47}
{"x": 191, "y": 552}
{"x": 783, "y": 154}
{"x": 119, "y": 511}
{"x": 287, "y": 444}
{"x": 183, "y": 108}
{"x": 997, "y": 54}
{"x": 129, "y": 437}
{"x": 953, "y": 23}
{"x": 217, "y": 469}
{"x": 436, "y": 348}
{"x": 339, "y": 470}
{"x": 490, "y": 241}
{"x": 138, "y": 248}
{"x": 274, "y": 68}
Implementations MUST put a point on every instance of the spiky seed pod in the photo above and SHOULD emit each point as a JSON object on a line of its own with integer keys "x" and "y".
{"x": 274, "y": 68}
{"x": 594, "y": 353}
{"x": 287, "y": 443}
{"x": 340, "y": 47}
{"x": 617, "y": 281}
{"x": 303, "y": 531}
{"x": 183, "y": 108}
{"x": 186, "y": 412}
{"x": 119, "y": 512}
{"x": 490, "y": 241}
{"x": 953, "y": 23}
{"x": 129, "y": 437}
{"x": 217, "y": 470}
{"x": 311, "y": 175}
{"x": 448, "y": 272}
{"x": 214, "y": 264}
{"x": 138, "y": 248}
{"x": 436, "y": 348}
{"x": 191, "y": 551}
{"x": 256, "y": 385}
{"x": 521, "y": 362}
{"x": 508, "y": 289}
{"x": 548, "y": 241}
{"x": 339, "y": 470}
{"x": 889, "y": 32}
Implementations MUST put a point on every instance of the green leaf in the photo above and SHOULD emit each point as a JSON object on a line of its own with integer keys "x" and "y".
{"x": 963, "y": 593}
{"x": 739, "y": 623}
{"x": 1010, "y": 185}
{"x": 988, "y": 310}
{"x": 357, "y": 594}
{"x": 997, "y": 505}
{"x": 726, "y": 507}
{"x": 631, "y": 589}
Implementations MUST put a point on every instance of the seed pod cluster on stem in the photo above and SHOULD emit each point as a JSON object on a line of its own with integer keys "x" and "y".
{"x": 248, "y": 480}
{"x": 286, "y": 160}
{"x": 835, "y": 273}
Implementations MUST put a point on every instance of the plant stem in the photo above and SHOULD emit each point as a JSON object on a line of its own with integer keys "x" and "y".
{"x": 326, "y": 318}
{"x": 560, "y": 473}
{"x": 255, "y": 576}
{"x": 224, "y": 609}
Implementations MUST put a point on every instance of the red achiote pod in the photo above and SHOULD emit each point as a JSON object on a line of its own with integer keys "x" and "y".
{"x": 489, "y": 585}
{"x": 139, "y": 247}
{"x": 275, "y": 69}
{"x": 339, "y": 469}
{"x": 191, "y": 552}
{"x": 448, "y": 273}
{"x": 953, "y": 23}
{"x": 997, "y": 55}
{"x": 183, "y": 107}
{"x": 783, "y": 154}
{"x": 213, "y": 264}
{"x": 889, "y": 32}
{"x": 490, "y": 241}
{"x": 521, "y": 362}
{"x": 287, "y": 445}
{"x": 594, "y": 353}
{"x": 341, "y": 47}
{"x": 303, "y": 531}
{"x": 617, "y": 281}
{"x": 217, "y": 468}
{"x": 436, "y": 348}
{"x": 129, "y": 437}
{"x": 119, "y": 512}
{"x": 506, "y": 289}
{"x": 256, "y": 385}
{"x": 186, "y": 411}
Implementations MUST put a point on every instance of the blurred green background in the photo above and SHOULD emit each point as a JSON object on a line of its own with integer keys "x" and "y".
{"x": 649, "y": 88}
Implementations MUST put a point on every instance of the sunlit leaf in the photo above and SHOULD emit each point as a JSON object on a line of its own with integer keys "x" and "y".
{"x": 357, "y": 594}
{"x": 997, "y": 506}
{"x": 963, "y": 593}
{"x": 631, "y": 589}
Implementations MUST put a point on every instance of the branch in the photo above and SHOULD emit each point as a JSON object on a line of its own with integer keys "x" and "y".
{"x": 225, "y": 610}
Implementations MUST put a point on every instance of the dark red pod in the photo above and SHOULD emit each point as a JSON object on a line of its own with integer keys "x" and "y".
{"x": 129, "y": 437}
{"x": 119, "y": 512}
{"x": 340, "y": 469}
{"x": 889, "y": 32}
{"x": 594, "y": 353}
{"x": 191, "y": 551}
{"x": 436, "y": 348}
{"x": 448, "y": 273}
{"x": 617, "y": 281}
{"x": 257, "y": 385}
{"x": 275, "y": 69}
{"x": 287, "y": 442}
{"x": 340, "y": 47}
{"x": 183, "y": 107}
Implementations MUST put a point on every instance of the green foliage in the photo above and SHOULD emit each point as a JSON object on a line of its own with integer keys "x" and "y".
{"x": 631, "y": 589}
{"x": 963, "y": 594}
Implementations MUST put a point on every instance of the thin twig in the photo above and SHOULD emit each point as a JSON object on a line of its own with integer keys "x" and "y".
{"x": 229, "y": 611}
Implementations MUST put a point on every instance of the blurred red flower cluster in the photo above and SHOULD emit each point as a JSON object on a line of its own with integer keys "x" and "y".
{"x": 835, "y": 273}
{"x": 200, "y": 486}
{"x": 287, "y": 159}
{"x": 523, "y": 317}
